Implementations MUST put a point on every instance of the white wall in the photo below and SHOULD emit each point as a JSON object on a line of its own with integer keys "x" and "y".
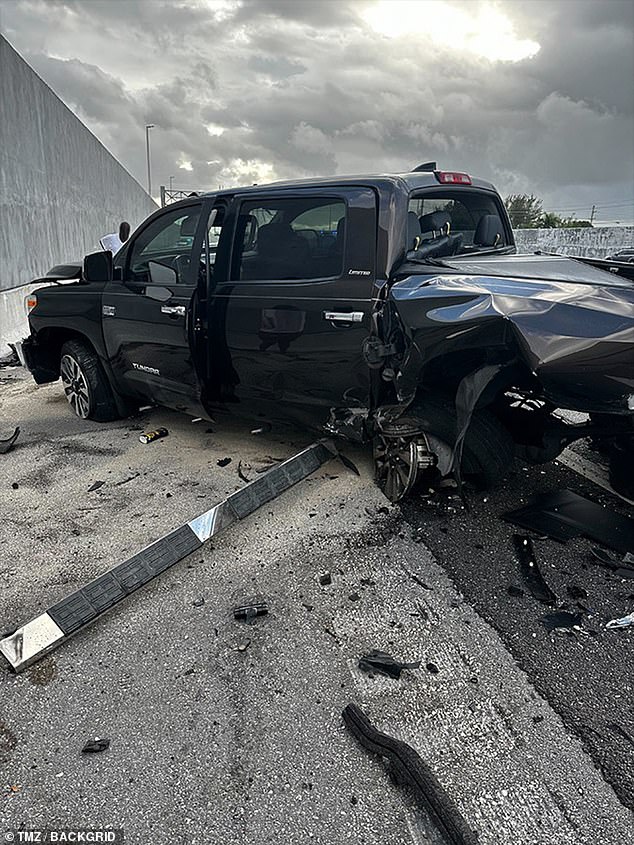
{"x": 588, "y": 242}
{"x": 60, "y": 188}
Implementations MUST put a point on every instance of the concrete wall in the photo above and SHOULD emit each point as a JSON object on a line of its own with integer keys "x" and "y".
{"x": 588, "y": 242}
{"x": 60, "y": 189}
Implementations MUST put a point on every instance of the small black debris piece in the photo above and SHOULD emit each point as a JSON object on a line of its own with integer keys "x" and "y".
{"x": 241, "y": 473}
{"x": 308, "y": 607}
{"x": 564, "y": 514}
{"x": 15, "y": 485}
{"x": 248, "y": 612}
{"x": 7, "y": 445}
{"x": 325, "y": 578}
{"x": 95, "y": 746}
{"x": 199, "y": 602}
{"x": 354, "y": 596}
{"x": 348, "y": 464}
{"x": 410, "y": 770}
{"x": 431, "y": 667}
{"x": 223, "y": 462}
{"x": 618, "y": 729}
{"x": 561, "y": 619}
{"x": 420, "y": 582}
{"x": 367, "y": 582}
{"x": 518, "y": 592}
{"x": 385, "y": 664}
{"x": 576, "y": 592}
{"x": 96, "y": 486}
{"x": 531, "y": 573}
{"x": 623, "y": 567}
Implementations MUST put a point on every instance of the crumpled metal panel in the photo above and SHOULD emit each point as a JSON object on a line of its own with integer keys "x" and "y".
{"x": 577, "y": 338}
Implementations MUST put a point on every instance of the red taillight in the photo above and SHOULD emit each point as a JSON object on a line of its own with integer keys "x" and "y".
{"x": 451, "y": 178}
{"x": 31, "y": 302}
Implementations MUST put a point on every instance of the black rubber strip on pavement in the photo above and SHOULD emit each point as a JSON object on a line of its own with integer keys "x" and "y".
{"x": 412, "y": 771}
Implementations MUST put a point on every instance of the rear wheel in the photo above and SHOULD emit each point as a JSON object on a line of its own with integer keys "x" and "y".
{"x": 85, "y": 384}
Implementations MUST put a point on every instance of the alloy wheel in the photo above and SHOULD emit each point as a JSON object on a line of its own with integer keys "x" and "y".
{"x": 75, "y": 386}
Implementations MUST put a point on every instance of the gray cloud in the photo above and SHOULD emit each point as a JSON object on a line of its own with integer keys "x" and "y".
{"x": 250, "y": 91}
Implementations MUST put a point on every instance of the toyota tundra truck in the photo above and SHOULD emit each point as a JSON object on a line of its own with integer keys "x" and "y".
{"x": 391, "y": 310}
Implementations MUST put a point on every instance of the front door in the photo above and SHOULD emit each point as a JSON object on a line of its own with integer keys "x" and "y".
{"x": 148, "y": 316}
{"x": 287, "y": 326}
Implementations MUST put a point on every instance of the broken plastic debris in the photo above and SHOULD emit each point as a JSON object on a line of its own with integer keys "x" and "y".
{"x": 151, "y": 436}
{"x": 561, "y": 619}
{"x": 530, "y": 570}
{"x": 263, "y": 429}
{"x": 95, "y": 746}
{"x": 325, "y": 578}
{"x": 199, "y": 602}
{"x": 624, "y": 622}
{"x": 7, "y": 445}
{"x": 348, "y": 464}
{"x": 223, "y": 462}
{"x": 622, "y": 567}
{"x": 385, "y": 664}
{"x": 96, "y": 486}
{"x": 518, "y": 592}
{"x": 241, "y": 473}
{"x": 563, "y": 515}
{"x": 248, "y": 612}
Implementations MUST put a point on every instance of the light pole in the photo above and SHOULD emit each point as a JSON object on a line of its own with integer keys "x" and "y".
{"x": 171, "y": 182}
{"x": 148, "y": 126}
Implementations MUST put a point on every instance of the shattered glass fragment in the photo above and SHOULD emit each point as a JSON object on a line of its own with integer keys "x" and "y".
{"x": 624, "y": 622}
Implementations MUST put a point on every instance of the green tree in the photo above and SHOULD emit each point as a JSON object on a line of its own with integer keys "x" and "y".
{"x": 550, "y": 220}
{"x": 524, "y": 210}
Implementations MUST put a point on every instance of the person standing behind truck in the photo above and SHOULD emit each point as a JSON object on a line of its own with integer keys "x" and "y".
{"x": 115, "y": 241}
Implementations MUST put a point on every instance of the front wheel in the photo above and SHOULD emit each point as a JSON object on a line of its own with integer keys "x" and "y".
{"x": 85, "y": 384}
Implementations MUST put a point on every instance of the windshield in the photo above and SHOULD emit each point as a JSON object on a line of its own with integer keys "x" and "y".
{"x": 450, "y": 221}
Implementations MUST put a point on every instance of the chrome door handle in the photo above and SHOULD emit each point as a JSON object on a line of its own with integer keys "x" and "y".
{"x": 343, "y": 316}
{"x": 173, "y": 310}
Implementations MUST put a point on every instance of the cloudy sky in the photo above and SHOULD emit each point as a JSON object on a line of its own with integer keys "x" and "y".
{"x": 536, "y": 96}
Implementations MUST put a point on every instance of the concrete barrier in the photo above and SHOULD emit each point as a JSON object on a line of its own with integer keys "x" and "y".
{"x": 60, "y": 188}
{"x": 587, "y": 242}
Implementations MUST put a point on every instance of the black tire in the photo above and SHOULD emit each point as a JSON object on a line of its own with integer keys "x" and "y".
{"x": 85, "y": 383}
{"x": 489, "y": 449}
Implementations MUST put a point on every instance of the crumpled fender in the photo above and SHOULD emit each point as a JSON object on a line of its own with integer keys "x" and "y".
{"x": 577, "y": 339}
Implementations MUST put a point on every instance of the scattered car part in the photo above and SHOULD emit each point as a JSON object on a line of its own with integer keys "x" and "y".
{"x": 50, "y": 629}
{"x": 624, "y": 622}
{"x": 348, "y": 464}
{"x": 561, "y": 619}
{"x": 223, "y": 462}
{"x": 563, "y": 514}
{"x": 325, "y": 579}
{"x": 411, "y": 771}
{"x": 622, "y": 467}
{"x": 385, "y": 664}
{"x": 248, "y": 612}
{"x": 95, "y": 746}
{"x": 7, "y": 445}
{"x": 263, "y": 429}
{"x": 241, "y": 474}
{"x": 151, "y": 436}
{"x": 531, "y": 572}
{"x": 95, "y": 486}
{"x": 621, "y": 567}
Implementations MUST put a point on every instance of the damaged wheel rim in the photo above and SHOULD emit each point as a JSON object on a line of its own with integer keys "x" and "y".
{"x": 75, "y": 386}
{"x": 396, "y": 465}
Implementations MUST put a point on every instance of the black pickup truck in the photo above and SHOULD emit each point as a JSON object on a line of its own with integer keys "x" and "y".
{"x": 386, "y": 309}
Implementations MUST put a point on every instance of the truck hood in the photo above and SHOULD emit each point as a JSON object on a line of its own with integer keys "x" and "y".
{"x": 571, "y": 325}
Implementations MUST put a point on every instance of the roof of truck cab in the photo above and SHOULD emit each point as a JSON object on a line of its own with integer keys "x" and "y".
{"x": 407, "y": 182}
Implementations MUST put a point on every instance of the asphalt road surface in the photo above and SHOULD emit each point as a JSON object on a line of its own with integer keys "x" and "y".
{"x": 223, "y": 732}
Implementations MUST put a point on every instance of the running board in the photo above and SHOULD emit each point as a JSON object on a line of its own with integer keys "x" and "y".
{"x": 70, "y": 615}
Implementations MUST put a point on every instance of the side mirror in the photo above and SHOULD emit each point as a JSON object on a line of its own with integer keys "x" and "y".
{"x": 98, "y": 267}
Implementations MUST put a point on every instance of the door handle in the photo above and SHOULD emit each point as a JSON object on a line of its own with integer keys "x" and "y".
{"x": 343, "y": 316}
{"x": 173, "y": 310}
